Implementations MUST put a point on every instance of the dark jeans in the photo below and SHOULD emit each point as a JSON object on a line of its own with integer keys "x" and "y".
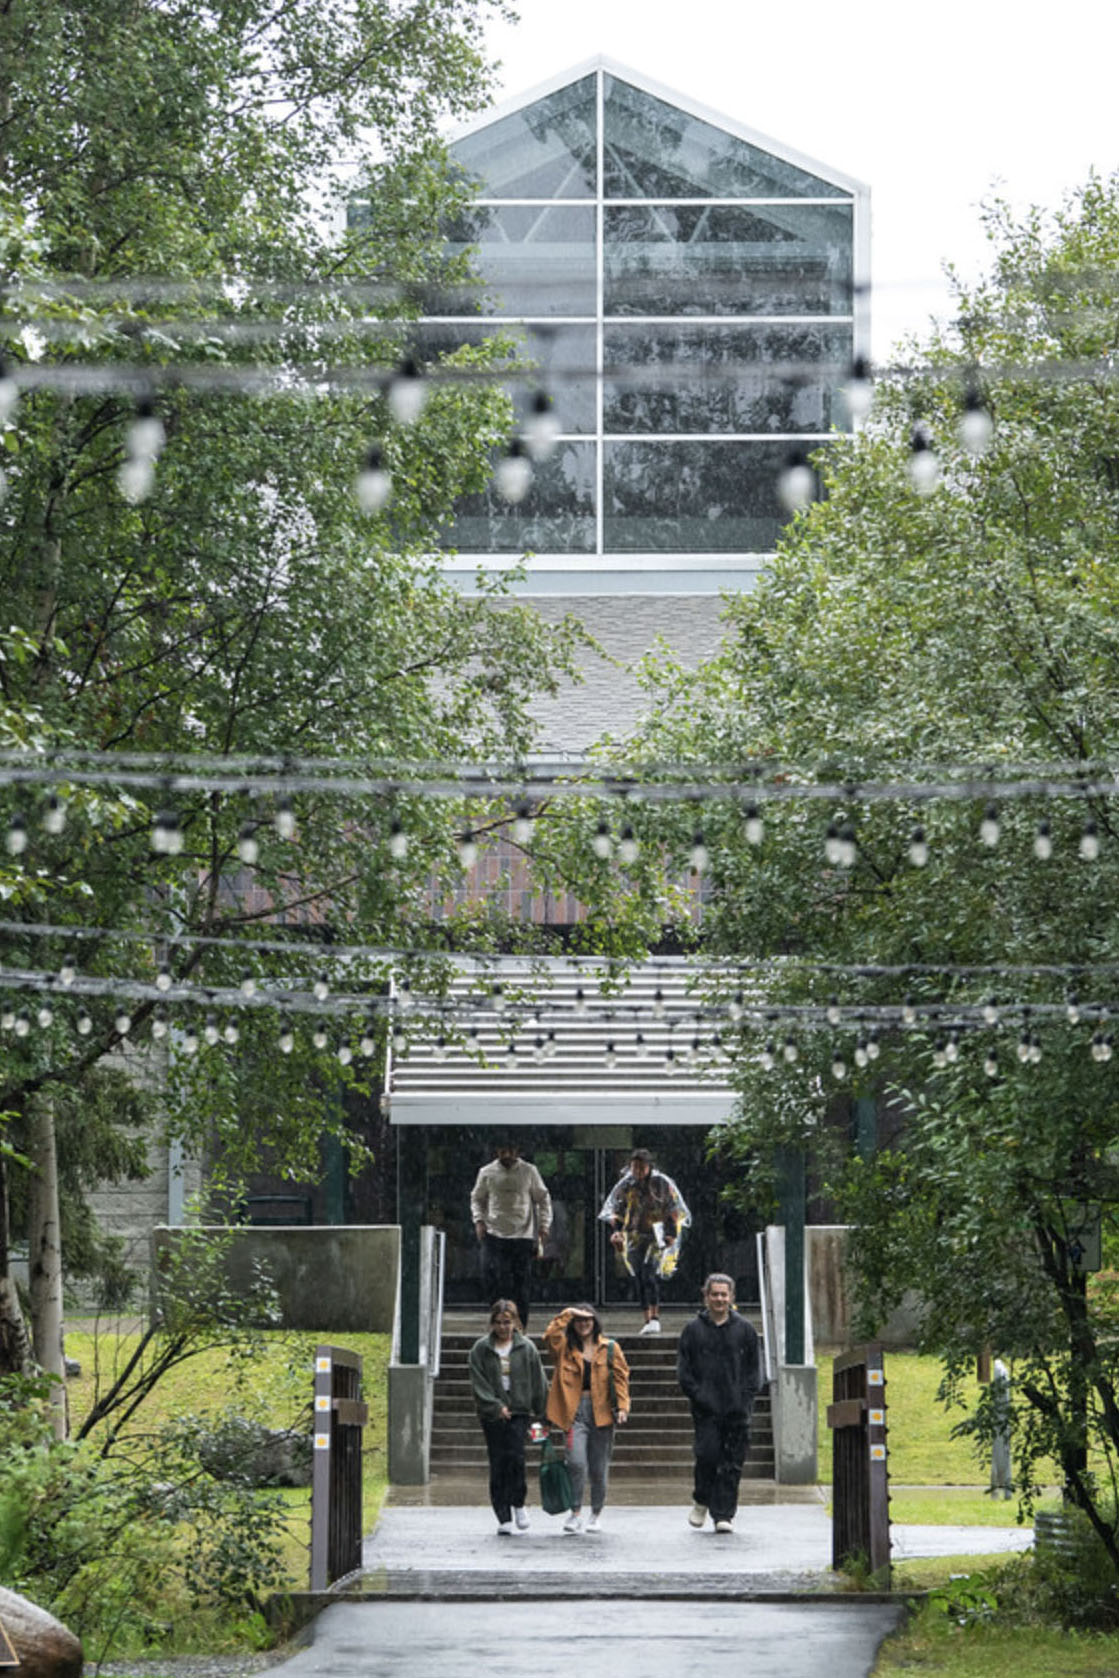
{"x": 506, "y": 1266}
{"x": 505, "y": 1445}
{"x": 645, "y": 1259}
{"x": 720, "y": 1450}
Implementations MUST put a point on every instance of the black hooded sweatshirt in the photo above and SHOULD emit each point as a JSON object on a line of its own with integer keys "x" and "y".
{"x": 718, "y": 1365}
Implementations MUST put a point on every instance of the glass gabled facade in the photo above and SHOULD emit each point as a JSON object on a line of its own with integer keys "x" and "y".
{"x": 689, "y": 298}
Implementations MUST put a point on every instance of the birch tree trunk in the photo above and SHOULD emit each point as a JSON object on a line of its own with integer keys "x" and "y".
{"x": 45, "y": 1254}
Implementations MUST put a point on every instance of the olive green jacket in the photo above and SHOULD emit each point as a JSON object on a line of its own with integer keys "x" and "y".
{"x": 528, "y": 1391}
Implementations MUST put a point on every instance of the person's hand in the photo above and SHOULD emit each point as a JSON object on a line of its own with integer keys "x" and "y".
{"x": 623, "y": 1417}
{"x": 617, "y": 1239}
{"x": 505, "y": 1413}
{"x": 480, "y": 1230}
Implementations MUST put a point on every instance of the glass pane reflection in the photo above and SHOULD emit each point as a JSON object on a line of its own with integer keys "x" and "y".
{"x": 528, "y": 259}
{"x": 556, "y": 516}
{"x": 717, "y": 260}
{"x": 545, "y": 151}
{"x": 654, "y": 150}
{"x": 724, "y": 378}
{"x": 562, "y": 360}
{"x": 692, "y": 497}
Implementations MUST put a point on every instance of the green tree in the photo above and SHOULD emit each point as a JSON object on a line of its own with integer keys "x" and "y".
{"x": 942, "y": 640}
{"x": 173, "y": 181}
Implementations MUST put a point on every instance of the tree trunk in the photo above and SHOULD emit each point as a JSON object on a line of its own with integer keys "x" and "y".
{"x": 15, "y": 1345}
{"x": 45, "y": 1253}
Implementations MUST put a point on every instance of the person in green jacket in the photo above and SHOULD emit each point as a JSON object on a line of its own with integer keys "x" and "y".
{"x": 510, "y": 1390}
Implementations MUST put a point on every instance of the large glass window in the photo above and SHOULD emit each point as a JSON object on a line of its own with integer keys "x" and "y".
{"x": 528, "y": 259}
{"x": 548, "y": 150}
{"x": 723, "y": 378}
{"x": 655, "y": 150}
{"x": 558, "y": 358}
{"x": 557, "y": 515}
{"x": 687, "y": 259}
{"x": 692, "y": 497}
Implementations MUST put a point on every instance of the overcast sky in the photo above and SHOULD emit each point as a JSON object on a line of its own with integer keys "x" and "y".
{"x": 934, "y": 107}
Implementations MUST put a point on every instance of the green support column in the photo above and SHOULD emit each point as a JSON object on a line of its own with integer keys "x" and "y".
{"x": 792, "y": 1200}
{"x": 866, "y": 1126}
{"x": 411, "y": 1198}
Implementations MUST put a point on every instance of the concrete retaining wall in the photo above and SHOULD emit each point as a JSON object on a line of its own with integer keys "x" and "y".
{"x": 331, "y": 1278}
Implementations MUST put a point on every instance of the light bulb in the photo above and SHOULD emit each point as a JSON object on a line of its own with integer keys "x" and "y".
{"x": 320, "y": 990}
{"x": 610, "y": 1056}
{"x": 122, "y": 1022}
{"x": 1089, "y": 841}
{"x": 858, "y": 392}
{"x": 989, "y": 827}
{"x": 658, "y": 1004}
{"x": 373, "y": 485}
{"x": 1072, "y": 1010}
{"x": 1108, "y": 1047}
{"x": 159, "y": 1024}
{"x": 940, "y": 1055}
{"x": 1035, "y": 1050}
{"x": 861, "y": 1056}
{"x": 248, "y": 985}
{"x": 1023, "y": 1050}
{"x": 190, "y": 1041}
{"x": 671, "y": 1066}
{"x": 538, "y": 1050}
{"x": 210, "y": 1030}
{"x": 398, "y": 839}
{"x": 754, "y": 826}
{"x": 790, "y": 1050}
{"x": 699, "y": 856}
{"x": 231, "y": 1033}
{"x": 796, "y": 483}
{"x": 838, "y": 1067}
{"x": 146, "y": 435}
{"x": 67, "y": 972}
{"x": 407, "y": 393}
{"x": 522, "y": 823}
{"x": 45, "y": 1015}
{"x": 9, "y": 392}
{"x": 136, "y": 478}
{"x": 873, "y": 1046}
{"x": 627, "y": 846}
{"x": 284, "y": 819}
{"x": 467, "y": 849}
{"x": 848, "y": 847}
{"x": 54, "y": 816}
{"x": 1096, "y": 1047}
{"x": 248, "y": 848}
{"x": 908, "y": 1012}
{"x": 952, "y": 1049}
{"x": 640, "y": 1047}
{"x": 550, "y": 1045}
{"x": 976, "y": 426}
{"x": 991, "y": 1011}
{"x": 602, "y": 844}
{"x": 918, "y": 847}
{"x": 768, "y": 1057}
{"x": 924, "y": 469}
{"x": 83, "y": 1024}
{"x": 832, "y": 1012}
{"x": 734, "y": 1006}
{"x": 541, "y": 428}
{"x": 16, "y": 838}
{"x": 345, "y": 1054}
{"x": 580, "y": 1000}
{"x": 368, "y": 1043}
{"x": 7, "y": 1017}
{"x": 163, "y": 979}
{"x": 831, "y": 844}
{"x": 497, "y": 997}
{"x": 1043, "y": 841}
{"x": 990, "y": 1064}
{"x": 22, "y": 1023}
{"x": 167, "y": 835}
{"x": 318, "y": 1037}
{"x": 285, "y": 1042}
{"x": 513, "y": 473}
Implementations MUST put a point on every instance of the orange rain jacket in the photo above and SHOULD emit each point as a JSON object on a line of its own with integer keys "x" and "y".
{"x": 567, "y": 1377}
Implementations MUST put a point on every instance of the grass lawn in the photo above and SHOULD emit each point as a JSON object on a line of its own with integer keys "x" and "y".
{"x": 275, "y": 1389}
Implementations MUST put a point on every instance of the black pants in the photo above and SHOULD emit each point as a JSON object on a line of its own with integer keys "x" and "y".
{"x": 645, "y": 1259}
{"x": 505, "y": 1446}
{"x": 720, "y": 1450}
{"x": 506, "y": 1267}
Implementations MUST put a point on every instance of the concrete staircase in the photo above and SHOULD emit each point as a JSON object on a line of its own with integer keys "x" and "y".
{"x": 655, "y": 1445}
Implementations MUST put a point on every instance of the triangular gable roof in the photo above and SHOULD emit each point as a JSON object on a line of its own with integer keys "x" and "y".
{"x": 657, "y": 90}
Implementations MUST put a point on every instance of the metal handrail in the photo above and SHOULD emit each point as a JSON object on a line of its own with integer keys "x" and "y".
{"x": 765, "y": 1289}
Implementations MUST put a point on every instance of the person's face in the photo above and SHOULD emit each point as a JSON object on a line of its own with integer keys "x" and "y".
{"x": 640, "y": 1168}
{"x": 718, "y": 1300}
{"x": 503, "y": 1325}
{"x": 507, "y": 1155}
{"x": 584, "y": 1327}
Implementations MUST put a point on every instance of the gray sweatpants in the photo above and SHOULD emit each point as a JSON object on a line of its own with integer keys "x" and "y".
{"x": 591, "y": 1449}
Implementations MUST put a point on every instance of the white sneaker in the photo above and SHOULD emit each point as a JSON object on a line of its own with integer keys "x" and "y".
{"x": 573, "y": 1523}
{"x": 521, "y": 1518}
{"x": 504, "y": 1529}
{"x": 697, "y": 1515}
{"x": 724, "y": 1526}
{"x": 594, "y": 1524}
{"x": 653, "y": 1326}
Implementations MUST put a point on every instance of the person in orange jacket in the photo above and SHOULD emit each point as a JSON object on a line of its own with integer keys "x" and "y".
{"x": 589, "y": 1393}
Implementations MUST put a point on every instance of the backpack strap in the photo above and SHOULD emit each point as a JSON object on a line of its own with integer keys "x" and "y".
{"x": 611, "y": 1384}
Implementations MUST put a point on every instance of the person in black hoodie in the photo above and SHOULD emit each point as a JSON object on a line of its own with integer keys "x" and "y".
{"x": 719, "y": 1371}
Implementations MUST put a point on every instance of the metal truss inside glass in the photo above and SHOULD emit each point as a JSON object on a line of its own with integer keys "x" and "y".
{"x": 687, "y": 298}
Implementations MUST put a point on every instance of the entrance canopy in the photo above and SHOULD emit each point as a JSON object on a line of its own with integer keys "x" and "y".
{"x": 547, "y": 1043}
